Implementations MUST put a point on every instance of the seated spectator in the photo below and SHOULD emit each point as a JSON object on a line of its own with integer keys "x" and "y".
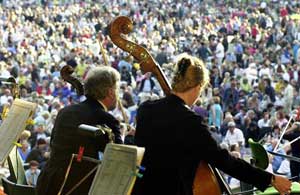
{"x": 24, "y": 150}
{"x": 39, "y": 153}
{"x": 147, "y": 84}
{"x": 125, "y": 63}
{"x": 32, "y": 173}
{"x": 39, "y": 132}
{"x": 281, "y": 121}
{"x": 125, "y": 75}
{"x": 234, "y": 136}
{"x": 284, "y": 168}
{"x": 227, "y": 118}
{"x": 253, "y": 102}
{"x": 265, "y": 121}
{"x": 25, "y": 135}
{"x": 4, "y": 98}
{"x": 277, "y": 160}
{"x": 245, "y": 85}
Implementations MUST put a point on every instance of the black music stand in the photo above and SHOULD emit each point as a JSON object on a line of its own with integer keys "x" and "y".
{"x": 85, "y": 158}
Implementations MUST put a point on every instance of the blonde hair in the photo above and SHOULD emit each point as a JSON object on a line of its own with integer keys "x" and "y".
{"x": 190, "y": 72}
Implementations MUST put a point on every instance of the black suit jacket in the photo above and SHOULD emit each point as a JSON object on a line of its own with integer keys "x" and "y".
{"x": 66, "y": 139}
{"x": 176, "y": 140}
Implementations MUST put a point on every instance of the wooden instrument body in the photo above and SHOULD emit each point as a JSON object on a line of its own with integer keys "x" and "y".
{"x": 205, "y": 181}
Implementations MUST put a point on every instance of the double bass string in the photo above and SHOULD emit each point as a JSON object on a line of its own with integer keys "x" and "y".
{"x": 120, "y": 105}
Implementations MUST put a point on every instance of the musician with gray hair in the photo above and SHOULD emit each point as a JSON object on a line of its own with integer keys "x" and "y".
{"x": 101, "y": 91}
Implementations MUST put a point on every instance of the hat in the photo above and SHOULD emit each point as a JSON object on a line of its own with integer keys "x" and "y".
{"x": 231, "y": 124}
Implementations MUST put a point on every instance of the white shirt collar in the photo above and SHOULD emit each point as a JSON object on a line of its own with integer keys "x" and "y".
{"x": 105, "y": 108}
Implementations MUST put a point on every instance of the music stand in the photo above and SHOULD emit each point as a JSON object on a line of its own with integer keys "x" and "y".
{"x": 13, "y": 125}
{"x": 118, "y": 171}
{"x": 85, "y": 158}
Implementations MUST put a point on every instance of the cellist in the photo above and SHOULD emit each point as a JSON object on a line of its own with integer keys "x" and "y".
{"x": 177, "y": 140}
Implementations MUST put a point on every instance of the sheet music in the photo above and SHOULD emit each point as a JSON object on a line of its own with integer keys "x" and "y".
{"x": 13, "y": 125}
{"x": 116, "y": 174}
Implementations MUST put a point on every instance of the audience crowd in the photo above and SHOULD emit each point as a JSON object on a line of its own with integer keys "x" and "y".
{"x": 250, "y": 47}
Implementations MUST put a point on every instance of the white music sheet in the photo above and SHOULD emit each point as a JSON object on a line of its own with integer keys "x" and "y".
{"x": 116, "y": 174}
{"x": 13, "y": 125}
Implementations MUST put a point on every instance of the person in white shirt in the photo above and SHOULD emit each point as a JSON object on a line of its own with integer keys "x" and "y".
{"x": 251, "y": 71}
{"x": 32, "y": 173}
{"x": 265, "y": 70}
{"x": 234, "y": 136}
{"x": 4, "y": 72}
{"x": 220, "y": 53}
{"x": 288, "y": 95}
{"x": 265, "y": 121}
{"x": 284, "y": 168}
{"x": 4, "y": 99}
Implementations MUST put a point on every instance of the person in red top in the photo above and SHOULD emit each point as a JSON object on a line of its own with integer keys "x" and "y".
{"x": 283, "y": 11}
{"x": 254, "y": 31}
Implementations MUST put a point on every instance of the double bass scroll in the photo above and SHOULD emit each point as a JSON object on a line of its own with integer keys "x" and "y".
{"x": 66, "y": 74}
{"x": 123, "y": 25}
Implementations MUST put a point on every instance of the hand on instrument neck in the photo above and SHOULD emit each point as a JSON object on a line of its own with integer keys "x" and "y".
{"x": 281, "y": 184}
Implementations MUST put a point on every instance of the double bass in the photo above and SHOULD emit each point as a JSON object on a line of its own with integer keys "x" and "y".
{"x": 205, "y": 181}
